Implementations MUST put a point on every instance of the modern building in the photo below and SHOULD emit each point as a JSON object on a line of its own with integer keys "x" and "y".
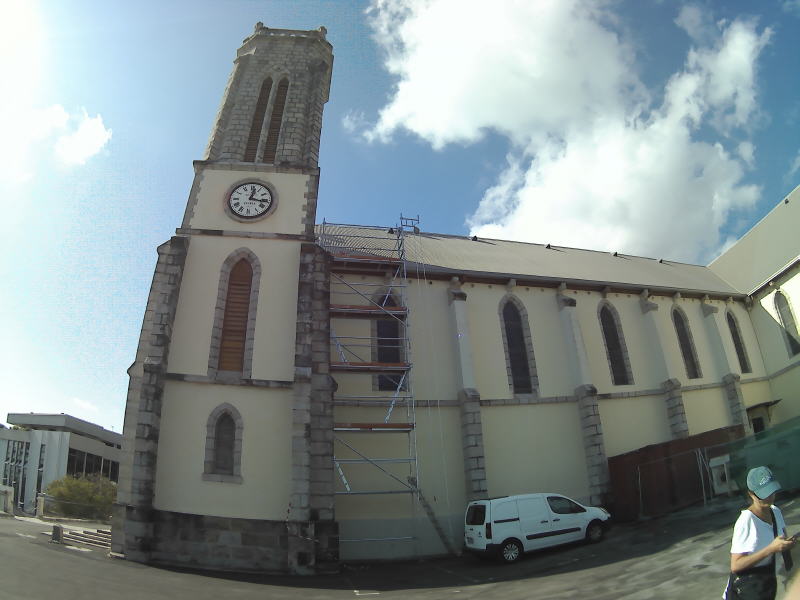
{"x": 46, "y": 447}
{"x": 304, "y": 394}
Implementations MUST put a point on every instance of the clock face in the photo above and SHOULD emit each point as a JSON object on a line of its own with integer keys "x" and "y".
{"x": 250, "y": 200}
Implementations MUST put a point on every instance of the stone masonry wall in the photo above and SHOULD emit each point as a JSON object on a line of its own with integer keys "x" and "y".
{"x": 472, "y": 442}
{"x": 676, "y": 413}
{"x": 306, "y": 59}
{"x": 733, "y": 394}
{"x": 593, "y": 443}
{"x": 133, "y": 526}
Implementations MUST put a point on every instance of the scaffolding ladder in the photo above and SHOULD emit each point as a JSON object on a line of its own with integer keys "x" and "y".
{"x": 359, "y": 254}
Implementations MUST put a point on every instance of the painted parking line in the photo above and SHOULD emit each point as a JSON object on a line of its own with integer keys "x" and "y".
{"x": 77, "y": 549}
{"x": 360, "y": 592}
{"x": 25, "y": 535}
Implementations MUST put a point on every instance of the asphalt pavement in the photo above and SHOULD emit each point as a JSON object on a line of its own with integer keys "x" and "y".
{"x": 681, "y": 556}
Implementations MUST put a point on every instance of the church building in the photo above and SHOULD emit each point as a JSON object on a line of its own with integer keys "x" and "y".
{"x": 305, "y": 393}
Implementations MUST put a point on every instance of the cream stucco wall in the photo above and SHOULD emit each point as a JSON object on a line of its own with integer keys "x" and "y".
{"x": 534, "y": 448}
{"x": 763, "y": 250}
{"x": 553, "y": 369}
{"x": 213, "y": 186}
{"x": 786, "y": 387}
{"x": 273, "y": 352}
{"x": 266, "y": 452}
{"x": 648, "y": 413}
{"x": 440, "y": 464}
{"x": 755, "y": 392}
{"x": 706, "y": 410}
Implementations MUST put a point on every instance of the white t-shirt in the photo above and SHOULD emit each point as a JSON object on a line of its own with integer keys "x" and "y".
{"x": 751, "y": 534}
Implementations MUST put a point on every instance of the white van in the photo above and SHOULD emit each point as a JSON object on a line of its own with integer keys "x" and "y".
{"x": 509, "y": 526}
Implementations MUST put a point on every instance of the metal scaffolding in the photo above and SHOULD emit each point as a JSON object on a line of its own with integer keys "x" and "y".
{"x": 383, "y": 356}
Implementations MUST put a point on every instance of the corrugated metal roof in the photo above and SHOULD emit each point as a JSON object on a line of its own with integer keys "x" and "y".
{"x": 447, "y": 253}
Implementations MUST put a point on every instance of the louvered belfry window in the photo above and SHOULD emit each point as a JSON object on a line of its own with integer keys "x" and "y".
{"x": 258, "y": 121}
{"x": 616, "y": 354}
{"x": 224, "y": 439}
{"x": 788, "y": 323}
{"x": 744, "y": 363}
{"x": 686, "y": 346}
{"x": 275, "y": 121}
{"x": 234, "y": 323}
{"x": 517, "y": 351}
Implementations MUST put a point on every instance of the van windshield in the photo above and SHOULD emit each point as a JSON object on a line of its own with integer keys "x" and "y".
{"x": 476, "y": 514}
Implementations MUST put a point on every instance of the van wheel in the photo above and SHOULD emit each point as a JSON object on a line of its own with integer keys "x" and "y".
{"x": 510, "y": 551}
{"x": 594, "y": 532}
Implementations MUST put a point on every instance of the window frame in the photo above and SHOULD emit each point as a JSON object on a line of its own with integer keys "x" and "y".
{"x": 625, "y": 364}
{"x": 210, "y": 471}
{"x": 219, "y": 317}
{"x": 686, "y": 347}
{"x": 527, "y": 343}
{"x": 745, "y": 366}
{"x": 791, "y": 339}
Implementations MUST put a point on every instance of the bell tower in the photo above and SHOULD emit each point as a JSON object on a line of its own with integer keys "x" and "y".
{"x": 228, "y": 436}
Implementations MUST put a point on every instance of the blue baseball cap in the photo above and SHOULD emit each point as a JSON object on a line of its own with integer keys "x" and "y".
{"x": 762, "y": 482}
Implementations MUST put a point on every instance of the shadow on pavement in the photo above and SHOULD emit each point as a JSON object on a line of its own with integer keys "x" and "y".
{"x": 624, "y": 542}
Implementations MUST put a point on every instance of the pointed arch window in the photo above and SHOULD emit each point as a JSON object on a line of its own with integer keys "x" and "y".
{"x": 234, "y": 323}
{"x": 686, "y": 344}
{"x": 224, "y": 445}
{"x": 741, "y": 353}
{"x": 258, "y": 121}
{"x": 788, "y": 324}
{"x": 230, "y": 356}
{"x": 389, "y": 345}
{"x": 520, "y": 362}
{"x": 271, "y": 147}
{"x": 616, "y": 350}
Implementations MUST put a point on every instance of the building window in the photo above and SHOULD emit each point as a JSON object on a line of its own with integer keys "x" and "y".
{"x": 788, "y": 324}
{"x": 223, "y": 445}
{"x": 233, "y": 331}
{"x": 518, "y": 346}
{"x": 389, "y": 345}
{"x": 271, "y": 146}
{"x": 616, "y": 350}
{"x": 741, "y": 353}
{"x": 258, "y": 121}
{"x": 686, "y": 344}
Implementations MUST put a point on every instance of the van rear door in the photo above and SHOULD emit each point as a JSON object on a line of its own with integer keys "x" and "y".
{"x": 474, "y": 525}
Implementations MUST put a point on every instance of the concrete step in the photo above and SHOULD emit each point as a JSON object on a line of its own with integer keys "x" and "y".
{"x": 98, "y": 539}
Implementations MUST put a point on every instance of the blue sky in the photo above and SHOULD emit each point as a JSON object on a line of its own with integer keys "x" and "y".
{"x": 651, "y": 127}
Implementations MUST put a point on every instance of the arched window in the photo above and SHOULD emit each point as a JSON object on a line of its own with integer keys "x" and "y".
{"x": 686, "y": 344}
{"x": 616, "y": 350}
{"x": 788, "y": 323}
{"x": 224, "y": 433}
{"x": 389, "y": 345}
{"x": 275, "y": 121}
{"x": 223, "y": 457}
{"x": 231, "y": 350}
{"x": 520, "y": 363}
{"x": 741, "y": 353}
{"x": 258, "y": 121}
{"x": 234, "y": 323}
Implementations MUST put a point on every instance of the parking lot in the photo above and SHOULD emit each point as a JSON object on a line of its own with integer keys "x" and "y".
{"x": 683, "y": 555}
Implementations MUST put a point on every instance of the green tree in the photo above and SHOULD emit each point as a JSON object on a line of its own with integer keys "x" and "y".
{"x": 83, "y": 497}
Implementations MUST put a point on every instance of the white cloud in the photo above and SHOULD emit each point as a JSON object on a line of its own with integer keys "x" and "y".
{"x": 791, "y": 6}
{"x": 696, "y": 22}
{"x": 32, "y": 131}
{"x": 795, "y": 166}
{"x": 594, "y": 161}
{"x": 76, "y": 147}
{"x": 747, "y": 152}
